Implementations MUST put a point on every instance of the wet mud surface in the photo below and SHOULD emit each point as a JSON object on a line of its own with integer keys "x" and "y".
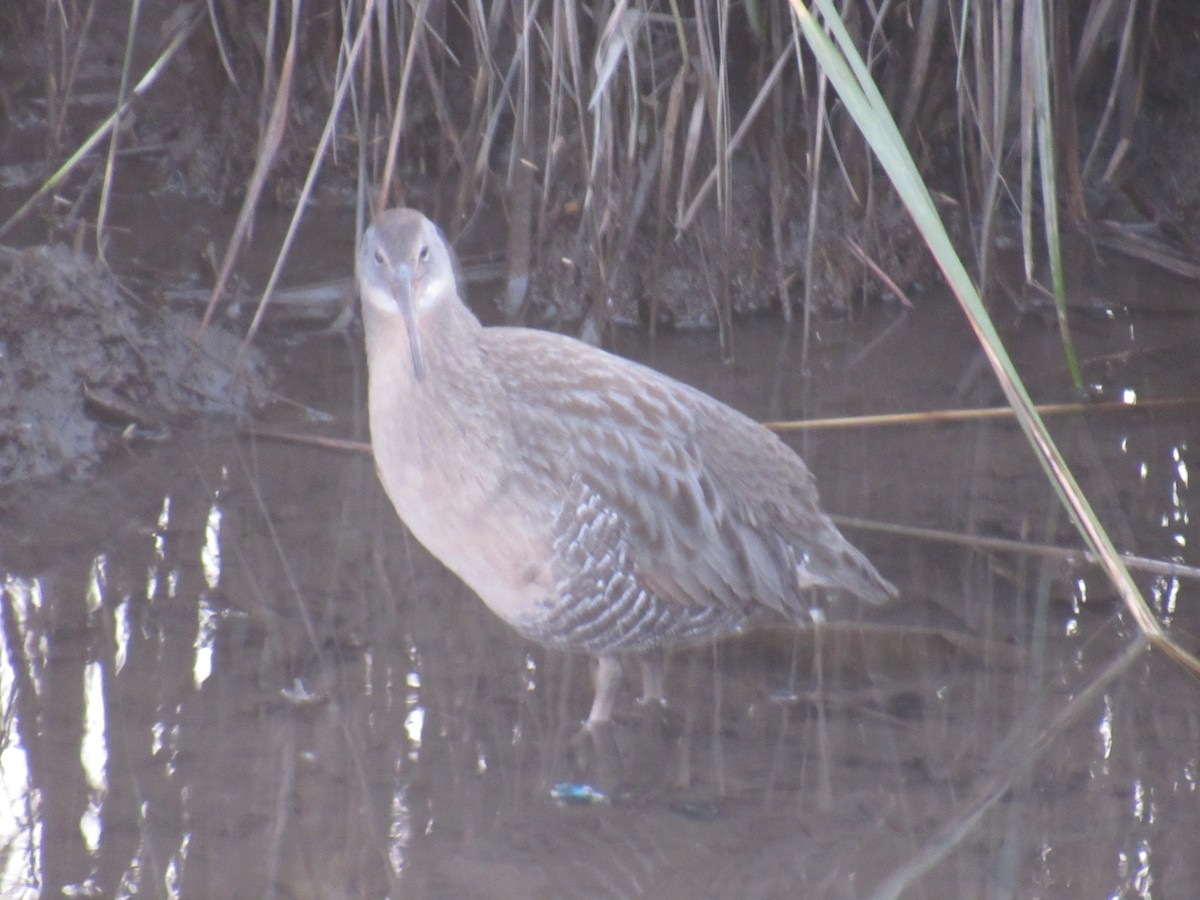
{"x": 228, "y": 670}
{"x": 86, "y": 366}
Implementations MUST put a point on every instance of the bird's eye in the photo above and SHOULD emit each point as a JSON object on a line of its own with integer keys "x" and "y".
{"x": 423, "y": 253}
{"x": 380, "y": 259}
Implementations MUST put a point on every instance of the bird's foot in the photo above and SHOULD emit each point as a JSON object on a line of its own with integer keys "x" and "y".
{"x": 595, "y": 756}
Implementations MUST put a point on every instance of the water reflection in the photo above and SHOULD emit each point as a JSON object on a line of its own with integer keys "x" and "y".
{"x": 227, "y": 671}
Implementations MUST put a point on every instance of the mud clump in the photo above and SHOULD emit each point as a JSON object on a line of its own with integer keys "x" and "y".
{"x": 85, "y": 366}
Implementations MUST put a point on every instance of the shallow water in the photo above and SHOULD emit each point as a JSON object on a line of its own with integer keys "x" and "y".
{"x": 228, "y": 671}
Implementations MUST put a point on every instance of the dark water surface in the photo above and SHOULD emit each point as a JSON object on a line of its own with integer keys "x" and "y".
{"x": 227, "y": 671}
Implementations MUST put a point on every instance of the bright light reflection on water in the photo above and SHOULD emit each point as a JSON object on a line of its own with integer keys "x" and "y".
{"x": 210, "y": 553}
{"x": 205, "y": 633}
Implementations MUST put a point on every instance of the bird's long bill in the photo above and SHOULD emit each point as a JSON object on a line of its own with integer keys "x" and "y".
{"x": 404, "y": 293}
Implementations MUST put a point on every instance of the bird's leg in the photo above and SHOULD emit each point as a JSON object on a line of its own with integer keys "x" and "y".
{"x": 654, "y": 697}
{"x": 595, "y": 746}
{"x": 607, "y": 681}
{"x": 653, "y": 693}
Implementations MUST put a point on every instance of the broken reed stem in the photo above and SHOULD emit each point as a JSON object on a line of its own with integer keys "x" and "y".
{"x": 972, "y": 415}
{"x": 984, "y": 543}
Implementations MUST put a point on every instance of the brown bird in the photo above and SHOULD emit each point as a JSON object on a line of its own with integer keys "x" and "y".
{"x": 591, "y": 502}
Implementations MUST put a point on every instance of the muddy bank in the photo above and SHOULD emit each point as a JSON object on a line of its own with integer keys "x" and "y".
{"x": 86, "y": 367}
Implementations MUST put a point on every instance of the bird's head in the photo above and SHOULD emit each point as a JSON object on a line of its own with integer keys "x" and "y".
{"x": 405, "y": 268}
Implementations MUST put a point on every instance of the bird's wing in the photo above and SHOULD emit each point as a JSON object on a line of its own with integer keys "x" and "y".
{"x": 711, "y": 506}
{"x": 774, "y": 494}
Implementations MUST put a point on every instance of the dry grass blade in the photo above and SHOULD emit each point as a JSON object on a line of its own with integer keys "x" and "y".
{"x": 861, "y": 255}
{"x": 1037, "y": 58}
{"x": 709, "y": 68}
{"x": 268, "y": 148}
{"x": 915, "y": 91}
{"x": 339, "y": 98}
{"x": 308, "y": 440}
{"x": 156, "y": 68}
{"x": 223, "y": 51}
{"x": 1069, "y": 555}
{"x": 976, "y": 415}
{"x": 482, "y": 33}
{"x": 993, "y": 89}
{"x": 1139, "y": 246}
{"x": 398, "y": 114}
{"x": 440, "y": 108}
{"x": 554, "y": 118}
{"x": 1121, "y": 71}
{"x": 691, "y": 147}
{"x": 616, "y": 41}
{"x": 575, "y": 57}
{"x": 600, "y": 175}
{"x": 1095, "y": 36}
{"x": 669, "y": 131}
{"x": 135, "y": 9}
{"x": 61, "y": 75}
{"x": 685, "y": 218}
{"x": 1026, "y": 144}
{"x": 385, "y": 53}
{"x": 508, "y": 102}
{"x": 565, "y": 94}
{"x": 780, "y": 194}
{"x": 813, "y": 163}
{"x": 721, "y": 132}
{"x": 778, "y": 171}
{"x": 519, "y": 258}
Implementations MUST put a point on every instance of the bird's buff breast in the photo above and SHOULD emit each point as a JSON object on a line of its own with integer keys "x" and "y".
{"x": 461, "y": 515}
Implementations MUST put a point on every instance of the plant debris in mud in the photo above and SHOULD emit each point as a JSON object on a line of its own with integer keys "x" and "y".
{"x": 83, "y": 367}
